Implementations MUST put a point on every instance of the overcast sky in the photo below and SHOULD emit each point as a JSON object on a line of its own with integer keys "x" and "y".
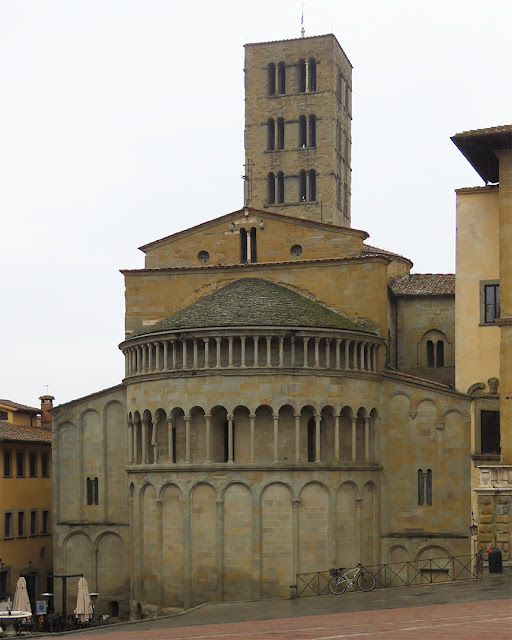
{"x": 122, "y": 122}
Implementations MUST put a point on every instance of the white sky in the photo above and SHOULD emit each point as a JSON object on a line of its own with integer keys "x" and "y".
{"x": 103, "y": 107}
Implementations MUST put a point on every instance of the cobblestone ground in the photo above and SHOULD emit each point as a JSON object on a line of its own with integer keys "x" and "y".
{"x": 482, "y": 620}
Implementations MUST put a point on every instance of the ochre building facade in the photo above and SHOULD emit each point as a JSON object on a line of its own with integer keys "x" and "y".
{"x": 264, "y": 427}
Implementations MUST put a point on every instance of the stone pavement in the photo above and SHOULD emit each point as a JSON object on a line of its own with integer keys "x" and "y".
{"x": 476, "y": 609}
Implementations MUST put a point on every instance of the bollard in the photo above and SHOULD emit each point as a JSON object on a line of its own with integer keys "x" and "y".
{"x": 293, "y": 591}
{"x": 495, "y": 561}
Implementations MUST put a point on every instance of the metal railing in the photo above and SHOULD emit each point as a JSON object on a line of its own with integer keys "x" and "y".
{"x": 402, "y": 574}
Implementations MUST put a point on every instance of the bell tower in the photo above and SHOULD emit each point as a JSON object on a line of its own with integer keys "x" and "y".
{"x": 298, "y": 113}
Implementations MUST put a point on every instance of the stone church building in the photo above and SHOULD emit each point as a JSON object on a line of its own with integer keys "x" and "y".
{"x": 288, "y": 400}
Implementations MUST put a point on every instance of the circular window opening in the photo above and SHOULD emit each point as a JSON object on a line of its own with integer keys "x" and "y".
{"x": 296, "y": 250}
{"x": 203, "y": 256}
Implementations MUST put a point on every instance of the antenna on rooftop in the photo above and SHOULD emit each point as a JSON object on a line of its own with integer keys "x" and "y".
{"x": 302, "y": 30}
{"x": 46, "y": 385}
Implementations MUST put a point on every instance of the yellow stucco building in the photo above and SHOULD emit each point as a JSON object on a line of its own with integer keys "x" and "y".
{"x": 26, "y": 545}
{"x": 484, "y": 326}
{"x": 286, "y": 405}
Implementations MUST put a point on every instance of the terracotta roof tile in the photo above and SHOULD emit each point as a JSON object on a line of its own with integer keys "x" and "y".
{"x": 14, "y": 433}
{"x": 424, "y": 284}
{"x": 19, "y": 407}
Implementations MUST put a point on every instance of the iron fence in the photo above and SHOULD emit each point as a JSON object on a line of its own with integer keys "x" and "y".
{"x": 402, "y": 574}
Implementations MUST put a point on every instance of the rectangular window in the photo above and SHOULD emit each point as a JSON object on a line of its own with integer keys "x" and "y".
{"x": 492, "y": 302}
{"x": 8, "y": 533}
{"x": 4, "y": 583}
{"x": 490, "y": 432}
{"x": 32, "y": 464}
{"x": 33, "y": 523}
{"x": 7, "y": 464}
{"x": 21, "y": 524}
{"x": 20, "y": 464}
{"x": 46, "y": 522}
{"x": 45, "y": 465}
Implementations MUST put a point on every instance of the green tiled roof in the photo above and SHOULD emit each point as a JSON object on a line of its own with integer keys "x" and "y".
{"x": 253, "y": 302}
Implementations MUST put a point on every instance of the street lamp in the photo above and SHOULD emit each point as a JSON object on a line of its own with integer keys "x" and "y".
{"x": 93, "y": 596}
{"x": 47, "y": 596}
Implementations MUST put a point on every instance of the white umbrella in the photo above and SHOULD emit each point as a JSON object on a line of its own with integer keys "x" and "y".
{"x": 83, "y": 609}
{"x": 21, "y": 600}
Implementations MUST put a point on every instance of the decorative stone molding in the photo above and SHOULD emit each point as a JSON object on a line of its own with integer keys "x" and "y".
{"x": 495, "y": 477}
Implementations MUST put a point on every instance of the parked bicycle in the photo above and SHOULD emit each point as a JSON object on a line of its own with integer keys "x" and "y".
{"x": 340, "y": 579}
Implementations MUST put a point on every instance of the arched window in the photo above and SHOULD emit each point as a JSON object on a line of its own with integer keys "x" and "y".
{"x": 311, "y": 439}
{"x": 281, "y": 78}
{"x": 312, "y": 74}
{"x": 92, "y": 491}
{"x": 89, "y": 491}
{"x": 271, "y": 79}
{"x": 312, "y": 185}
{"x": 302, "y": 76}
{"x": 303, "y": 129}
{"x": 429, "y": 487}
{"x": 271, "y": 188}
{"x": 312, "y": 131}
{"x": 280, "y": 133}
{"x": 430, "y": 353}
{"x": 425, "y": 487}
{"x": 254, "y": 257}
{"x": 271, "y": 135}
{"x": 440, "y": 353}
{"x": 243, "y": 246}
{"x": 95, "y": 491}
{"x": 280, "y": 187}
{"x": 303, "y": 190}
{"x": 421, "y": 488}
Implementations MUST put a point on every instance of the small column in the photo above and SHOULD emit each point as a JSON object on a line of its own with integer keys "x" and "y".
{"x": 317, "y": 353}
{"x": 281, "y": 351}
{"x": 144, "y": 441}
{"x": 242, "y": 352}
{"x": 174, "y": 358}
{"x": 219, "y": 535}
{"x": 166, "y": 355}
{"x": 217, "y": 364}
{"x": 187, "y": 439}
{"x": 327, "y": 353}
{"x": 357, "y": 528}
{"x": 365, "y": 356}
{"x": 126, "y": 354}
{"x": 136, "y": 427}
{"x": 143, "y": 348}
{"x": 346, "y": 364}
{"x": 195, "y": 353}
{"x": 150, "y": 357}
{"x": 206, "y": 352}
{"x": 170, "y": 443}
{"x": 295, "y": 529}
{"x": 153, "y": 441}
{"x": 307, "y": 75}
{"x": 184, "y": 353}
{"x": 230, "y": 352}
{"x": 297, "y": 437}
{"x": 207, "y": 422}
{"x": 159, "y": 545}
{"x": 130, "y": 442}
{"x": 338, "y": 354}
{"x": 367, "y": 439}
{"x": 269, "y": 351}
{"x": 139, "y": 358}
{"x": 337, "y": 438}
{"x": 230, "y": 438}
{"x": 276, "y": 436}
{"x": 256, "y": 340}
{"x": 157, "y": 356}
{"x": 252, "y": 420}
{"x": 374, "y": 358}
{"x": 318, "y": 419}
{"x": 354, "y": 449}
{"x": 293, "y": 351}
{"x": 305, "y": 343}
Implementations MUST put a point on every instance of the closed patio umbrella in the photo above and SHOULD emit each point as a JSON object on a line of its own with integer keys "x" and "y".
{"x": 83, "y": 609}
{"x": 21, "y": 600}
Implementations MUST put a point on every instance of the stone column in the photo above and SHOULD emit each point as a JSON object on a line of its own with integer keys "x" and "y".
{"x": 338, "y": 354}
{"x": 357, "y": 527}
{"x": 126, "y": 354}
{"x": 230, "y": 352}
{"x": 347, "y": 354}
{"x": 256, "y": 340}
{"x": 317, "y": 353}
{"x": 170, "y": 444}
{"x": 157, "y": 356}
{"x": 242, "y": 352}
{"x": 218, "y": 341}
{"x": 154, "y": 443}
{"x": 354, "y": 447}
{"x": 149, "y": 347}
{"x": 207, "y": 422}
{"x": 281, "y": 351}
{"x": 206, "y": 352}
{"x": 252, "y": 419}
{"x": 220, "y": 549}
{"x": 367, "y": 439}
{"x": 144, "y": 441}
{"x": 297, "y": 437}
{"x": 293, "y": 351}
{"x": 305, "y": 343}
{"x": 187, "y": 553}
{"x": 137, "y": 427}
{"x": 230, "y": 438}
{"x": 143, "y": 349}
{"x": 195, "y": 353}
{"x": 276, "y": 436}
{"x": 184, "y": 353}
{"x": 166, "y": 355}
{"x": 296, "y": 532}
{"x": 318, "y": 419}
{"x": 269, "y": 351}
{"x": 160, "y": 549}
{"x": 328, "y": 353}
{"x": 306, "y": 62}
{"x": 187, "y": 439}
{"x": 337, "y": 438}
{"x": 174, "y": 358}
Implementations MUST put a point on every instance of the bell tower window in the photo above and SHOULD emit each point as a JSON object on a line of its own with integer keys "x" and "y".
{"x": 271, "y": 79}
